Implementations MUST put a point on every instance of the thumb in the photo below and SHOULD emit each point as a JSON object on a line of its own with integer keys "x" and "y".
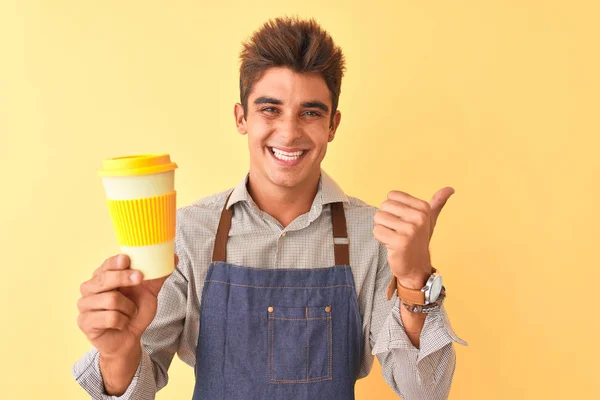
{"x": 438, "y": 201}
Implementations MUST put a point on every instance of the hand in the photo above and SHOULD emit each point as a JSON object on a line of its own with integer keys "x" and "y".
{"x": 117, "y": 306}
{"x": 404, "y": 224}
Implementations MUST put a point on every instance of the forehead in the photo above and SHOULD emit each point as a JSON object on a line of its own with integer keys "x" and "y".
{"x": 291, "y": 87}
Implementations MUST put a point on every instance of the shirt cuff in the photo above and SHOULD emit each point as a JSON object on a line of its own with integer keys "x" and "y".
{"x": 437, "y": 333}
{"x": 86, "y": 372}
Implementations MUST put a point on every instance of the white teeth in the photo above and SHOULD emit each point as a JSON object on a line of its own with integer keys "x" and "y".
{"x": 286, "y": 156}
{"x": 285, "y": 153}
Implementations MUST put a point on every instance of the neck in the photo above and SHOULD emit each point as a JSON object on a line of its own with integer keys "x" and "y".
{"x": 285, "y": 204}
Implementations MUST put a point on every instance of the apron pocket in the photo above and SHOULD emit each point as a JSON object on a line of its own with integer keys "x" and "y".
{"x": 299, "y": 344}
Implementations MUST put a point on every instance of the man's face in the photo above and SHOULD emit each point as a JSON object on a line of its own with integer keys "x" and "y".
{"x": 288, "y": 126}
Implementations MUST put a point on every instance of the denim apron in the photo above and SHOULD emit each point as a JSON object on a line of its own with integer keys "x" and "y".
{"x": 293, "y": 334}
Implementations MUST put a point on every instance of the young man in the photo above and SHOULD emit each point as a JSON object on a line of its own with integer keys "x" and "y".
{"x": 280, "y": 287}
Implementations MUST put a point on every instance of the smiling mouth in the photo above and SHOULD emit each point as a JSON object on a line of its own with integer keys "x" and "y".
{"x": 287, "y": 156}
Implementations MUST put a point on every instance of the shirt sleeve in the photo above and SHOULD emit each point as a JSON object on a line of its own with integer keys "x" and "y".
{"x": 414, "y": 374}
{"x": 160, "y": 342}
{"x": 87, "y": 373}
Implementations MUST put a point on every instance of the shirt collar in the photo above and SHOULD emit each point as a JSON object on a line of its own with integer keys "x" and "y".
{"x": 328, "y": 192}
{"x": 240, "y": 193}
{"x": 331, "y": 192}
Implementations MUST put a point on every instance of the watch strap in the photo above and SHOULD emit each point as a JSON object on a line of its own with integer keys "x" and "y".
{"x": 415, "y": 308}
{"x": 407, "y": 295}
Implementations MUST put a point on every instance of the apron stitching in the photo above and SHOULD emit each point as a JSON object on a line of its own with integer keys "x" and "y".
{"x": 203, "y": 302}
{"x": 330, "y": 347}
{"x": 269, "y": 348}
{"x": 307, "y": 345}
{"x": 311, "y": 380}
{"x": 300, "y": 319}
{"x": 279, "y": 287}
{"x": 357, "y": 321}
{"x": 228, "y": 264}
{"x": 272, "y": 351}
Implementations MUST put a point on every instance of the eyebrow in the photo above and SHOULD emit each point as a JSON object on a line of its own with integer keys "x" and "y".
{"x": 267, "y": 100}
{"x": 316, "y": 104}
{"x": 308, "y": 104}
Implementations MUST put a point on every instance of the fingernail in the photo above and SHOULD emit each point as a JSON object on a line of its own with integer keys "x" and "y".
{"x": 135, "y": 277}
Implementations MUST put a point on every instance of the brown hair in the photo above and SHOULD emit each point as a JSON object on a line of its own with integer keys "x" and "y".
{"x": 301, "y": 45}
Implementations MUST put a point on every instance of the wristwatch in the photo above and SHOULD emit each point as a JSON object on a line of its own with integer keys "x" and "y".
{"x": 429, "y": 294}
{"x": 415, "y": 308}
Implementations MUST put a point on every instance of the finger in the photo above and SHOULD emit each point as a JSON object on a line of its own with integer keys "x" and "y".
{"x": 398, "y": 224}
{"x": 387, "y": 236}
{"x": 409, "y": 200}
{"x": 110, "y": 280}
{"x": 117, "y": 262}
{"x": 107, "y": 301}
{"x": 102, "y": 320}
{"x": 405, "y": 212}
{"x": 389, "y": 221}
{"x": 383, "y": 234}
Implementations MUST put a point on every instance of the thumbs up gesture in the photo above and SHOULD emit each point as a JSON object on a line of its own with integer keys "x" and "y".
{"x": 404, "y": 224}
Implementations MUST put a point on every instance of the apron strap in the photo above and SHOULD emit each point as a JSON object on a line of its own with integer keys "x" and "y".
{"x": 341, "y": 242}
{"x": 220, "y": 249}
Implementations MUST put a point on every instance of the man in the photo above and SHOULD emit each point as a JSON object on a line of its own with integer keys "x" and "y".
{"x": 280, "y": 285}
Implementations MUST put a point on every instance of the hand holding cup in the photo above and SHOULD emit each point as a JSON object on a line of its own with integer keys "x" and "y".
{"x": 117, "y": 305}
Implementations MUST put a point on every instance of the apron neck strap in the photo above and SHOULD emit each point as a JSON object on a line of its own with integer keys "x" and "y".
{"x": 341, "y": 242}
{"x": 220, "y": 249}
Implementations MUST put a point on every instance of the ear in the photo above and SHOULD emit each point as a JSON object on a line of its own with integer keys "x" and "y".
{"x": 334, "y": 125}
{"x": 240, "y": 120}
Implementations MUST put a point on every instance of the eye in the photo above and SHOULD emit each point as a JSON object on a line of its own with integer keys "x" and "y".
{"x": 312, "y": 113}
{"x": 269, "y": 110}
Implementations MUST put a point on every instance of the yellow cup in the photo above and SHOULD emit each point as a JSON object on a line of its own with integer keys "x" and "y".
{"x": 141, "y": 197}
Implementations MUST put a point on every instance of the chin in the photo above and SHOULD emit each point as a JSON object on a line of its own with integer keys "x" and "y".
{"x": 283, "y": 179}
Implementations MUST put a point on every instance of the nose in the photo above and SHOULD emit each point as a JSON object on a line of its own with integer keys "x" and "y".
{"x": 290, "y": 128}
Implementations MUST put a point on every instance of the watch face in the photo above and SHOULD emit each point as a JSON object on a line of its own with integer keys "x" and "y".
{"x": 436, "y": 288}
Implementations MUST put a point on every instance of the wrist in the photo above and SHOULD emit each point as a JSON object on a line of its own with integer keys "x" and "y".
{"x": 117, "y": 370}
{"x": 126, "y": 352}
{"x": 413, "y": 283}
{"x": 416, "y": 281}
{"x": 128, "y": 346}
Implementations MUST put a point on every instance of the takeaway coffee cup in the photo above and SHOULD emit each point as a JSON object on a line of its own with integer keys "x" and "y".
{"x": 140, "y": 192}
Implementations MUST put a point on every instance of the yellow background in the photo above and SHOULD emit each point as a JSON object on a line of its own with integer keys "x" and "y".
{"x": 498, "y": 99}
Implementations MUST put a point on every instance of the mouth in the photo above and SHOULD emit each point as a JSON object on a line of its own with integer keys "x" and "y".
{"x": 287, "y": 157}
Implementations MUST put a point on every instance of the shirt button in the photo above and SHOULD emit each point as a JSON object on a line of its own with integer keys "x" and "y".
{"x": 271, "y": 309}
{"x": 283, "y": 234}
{"x": 328, "y": 309}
